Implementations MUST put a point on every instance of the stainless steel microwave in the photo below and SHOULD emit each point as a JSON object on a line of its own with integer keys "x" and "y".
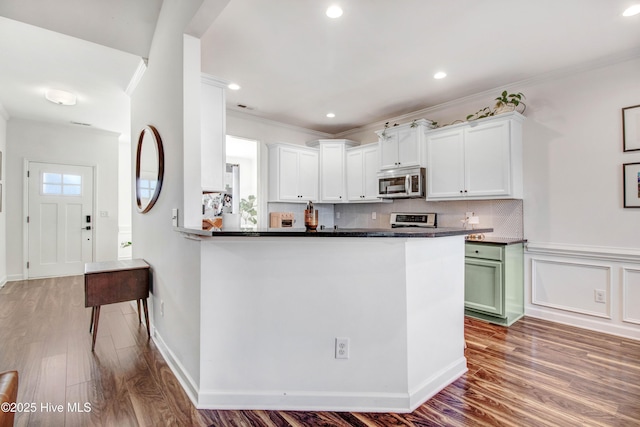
{"x": 402, "y": 183}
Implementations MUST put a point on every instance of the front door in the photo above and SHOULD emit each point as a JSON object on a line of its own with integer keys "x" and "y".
{"x": 60, "y": 219}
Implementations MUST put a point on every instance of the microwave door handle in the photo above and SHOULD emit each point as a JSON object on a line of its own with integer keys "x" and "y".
{"x": 407, "y": 184}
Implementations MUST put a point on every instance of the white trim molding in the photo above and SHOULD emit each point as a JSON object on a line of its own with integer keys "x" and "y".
{"x": 631, "y": 295}
{"x": 561, "y": 282}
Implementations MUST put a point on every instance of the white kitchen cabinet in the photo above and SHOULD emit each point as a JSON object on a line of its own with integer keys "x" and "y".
{"x": 476, "y": 160}
{"x": 403, "y": 145}
{"x": 293, "y": 173}
{"x": 333, "y": 168}
{"x": 362, "y": 169}
{"x": 212, "y": 134}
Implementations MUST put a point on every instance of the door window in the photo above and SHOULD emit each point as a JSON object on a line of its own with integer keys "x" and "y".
{"x": 61, "y": 184}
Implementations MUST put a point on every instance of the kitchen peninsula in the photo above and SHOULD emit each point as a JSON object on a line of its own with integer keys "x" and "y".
{"x": 340, "y": 320}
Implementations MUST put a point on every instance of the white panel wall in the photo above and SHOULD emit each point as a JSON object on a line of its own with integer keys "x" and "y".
{"x": 44, "y": 142}
{"x": 631, "y": 295}
{"x": 175, "y": 261}
{"x": 3, "y": 216}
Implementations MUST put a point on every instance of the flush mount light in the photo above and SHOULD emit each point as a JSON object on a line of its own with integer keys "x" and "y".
{"x": 440, "y": 75}
{"x": 234, "y": 86}
{"x": 60, "y": 97}
{"x": 331, "y": 115}
{"x": 632, "y": 10}
{"x": 334, "y": 11}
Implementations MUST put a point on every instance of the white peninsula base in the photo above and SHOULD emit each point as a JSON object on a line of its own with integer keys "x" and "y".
{"x": 272, "y": 308}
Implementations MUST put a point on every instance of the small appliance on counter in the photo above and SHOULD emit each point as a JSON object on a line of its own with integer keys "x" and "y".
{"x": 310, "y": 217}
{"x": 403, "y": 183}
{"x": 413, "y": 219}
{"x": 281, "y": 219}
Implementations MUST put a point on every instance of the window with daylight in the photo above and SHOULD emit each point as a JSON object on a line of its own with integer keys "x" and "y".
{"x": 146, "y": 188}
{"x": 58, "y": 184}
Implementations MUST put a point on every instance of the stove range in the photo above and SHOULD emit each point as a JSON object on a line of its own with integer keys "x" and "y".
{"x": 413, "y": 219}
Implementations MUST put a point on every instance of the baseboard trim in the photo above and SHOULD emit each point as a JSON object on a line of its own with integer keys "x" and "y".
{"x": 333, "y": 401}
{"x": 186, "y": 381}
{"x": 15, "y": 277}
{"x": 3, "y": 282}
{"x": 580, "y": 322}
{"x": 437, "y": 382}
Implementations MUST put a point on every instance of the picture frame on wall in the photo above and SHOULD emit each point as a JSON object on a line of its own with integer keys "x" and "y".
{"x": 631, "y": 128}
{"x": 631, "y": 184}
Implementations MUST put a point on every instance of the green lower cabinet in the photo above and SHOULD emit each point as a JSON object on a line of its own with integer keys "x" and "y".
{"x": 494, "y": 282}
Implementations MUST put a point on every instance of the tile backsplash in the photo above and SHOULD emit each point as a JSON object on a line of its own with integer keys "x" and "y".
{"x": 504, "y": 216}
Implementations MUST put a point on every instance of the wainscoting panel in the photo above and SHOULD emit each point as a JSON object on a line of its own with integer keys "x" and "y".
{"x": 631, "y": 295}
{"x": 561, "y": 280}
{"x": 571, "y": 286}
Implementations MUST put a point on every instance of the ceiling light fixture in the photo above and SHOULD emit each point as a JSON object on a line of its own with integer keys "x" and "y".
{"x": 440, "y": 75}
{"x": 234, "y": 86}
{"x": 334, "y": 11}
{"x": 60, "y": 97}
{"x": 632, "y": 10}
{"x": 331, "y": 115}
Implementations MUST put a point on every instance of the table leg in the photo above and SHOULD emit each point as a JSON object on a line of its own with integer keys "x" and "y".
{"x": 93, "y": 313}
{"x": 95, "y": 327}
{"x": 146, "y": 316}
{"x": 139, "y": 319}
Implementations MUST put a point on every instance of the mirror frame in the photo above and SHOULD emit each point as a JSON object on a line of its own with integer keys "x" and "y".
{"x": 158, "y": 141}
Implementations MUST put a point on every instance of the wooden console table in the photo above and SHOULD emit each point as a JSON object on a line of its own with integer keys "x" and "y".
{"x": 115, "y": 281}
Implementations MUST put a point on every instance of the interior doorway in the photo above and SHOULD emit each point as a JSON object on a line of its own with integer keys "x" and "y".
{"x": 59, "y": 219}
{"x": 244, "y": 152}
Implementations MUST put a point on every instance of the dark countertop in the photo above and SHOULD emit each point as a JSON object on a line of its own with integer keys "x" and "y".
{"x": 489, "y": 240}
{"x": 340, "y": 232}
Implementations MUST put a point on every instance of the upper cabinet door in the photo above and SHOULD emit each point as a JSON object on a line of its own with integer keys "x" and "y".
{"x": 408, "y": 146}
{"x": 288, "y": 175}
{"x": 370, "y": 163}
{"x": 488, "y": 160}
{"x": 445, "y": 168}
{"x": 308, "y": 175}
{"x": 332, "y": 172}
{"x": 355, "y": 182}
{"x": 389, "y": 150}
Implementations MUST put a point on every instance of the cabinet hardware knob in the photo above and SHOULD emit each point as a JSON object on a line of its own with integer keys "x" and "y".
{"x": 477, "y": 252}
{"x": 460, "y": 191}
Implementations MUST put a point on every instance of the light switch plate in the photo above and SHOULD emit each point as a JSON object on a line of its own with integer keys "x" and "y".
{"x": 174, "y": 217}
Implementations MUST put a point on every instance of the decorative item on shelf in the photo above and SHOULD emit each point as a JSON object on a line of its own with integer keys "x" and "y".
{"x": 125, "y": 244}
{"x": 310, "y": 217}
{"x": 386, "y": 126}
{"x": 508, "y": 102}
{"x": 470, "y": 222}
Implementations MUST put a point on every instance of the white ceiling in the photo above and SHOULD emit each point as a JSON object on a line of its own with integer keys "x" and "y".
{"x": 294, "y": 64}
{"x": 377, "y": 61}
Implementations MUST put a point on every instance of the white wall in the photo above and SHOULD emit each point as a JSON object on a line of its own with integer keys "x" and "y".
{"x": 37, "y": 141}
{"x": 175, "y": 260}
{"x": 3, "y": 216}
{"x": 573, "y": 192}
{"x": 244, "y": 125}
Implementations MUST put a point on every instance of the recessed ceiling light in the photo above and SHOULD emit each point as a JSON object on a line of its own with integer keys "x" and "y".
{"x": 334, "y": 11}
{"x": 60, "y": 97}
{"x": 234, "y": 86}
{"x": 440, "y": 75}
{"x": 331, "y": 115}
{"x": 632, "y": 10}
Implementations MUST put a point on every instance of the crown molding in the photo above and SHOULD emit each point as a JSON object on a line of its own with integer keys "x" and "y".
{"x": 256, "y": 118}
{"x": 137, "y": 76}
{"x": 628, "y": 55}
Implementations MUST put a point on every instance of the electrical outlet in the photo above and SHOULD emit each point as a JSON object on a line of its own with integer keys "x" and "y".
{"x": 342, "y": 348}
{"x": 161, "y": 308}
{"x": 601, "y": 295}
{"x": 373, "y": 215}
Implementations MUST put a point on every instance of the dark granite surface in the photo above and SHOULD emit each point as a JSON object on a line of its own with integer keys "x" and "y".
{"x": 489, "y": 240}
{"x": 341, "y": 232}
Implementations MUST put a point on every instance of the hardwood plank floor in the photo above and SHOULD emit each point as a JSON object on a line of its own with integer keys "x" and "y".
{"x": 535, "y": 373}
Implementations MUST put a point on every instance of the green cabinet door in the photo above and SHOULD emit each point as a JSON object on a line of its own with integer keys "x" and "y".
{"x": 483, "y": 286}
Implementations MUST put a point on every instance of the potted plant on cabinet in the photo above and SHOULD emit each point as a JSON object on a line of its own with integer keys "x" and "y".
{"x": 508, "y": 102}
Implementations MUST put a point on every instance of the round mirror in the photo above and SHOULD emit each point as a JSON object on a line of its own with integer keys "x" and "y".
{"x": 149, "y": 168}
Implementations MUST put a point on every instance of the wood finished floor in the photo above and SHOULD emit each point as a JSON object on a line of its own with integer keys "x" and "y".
{"x": 535, "y": 373}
